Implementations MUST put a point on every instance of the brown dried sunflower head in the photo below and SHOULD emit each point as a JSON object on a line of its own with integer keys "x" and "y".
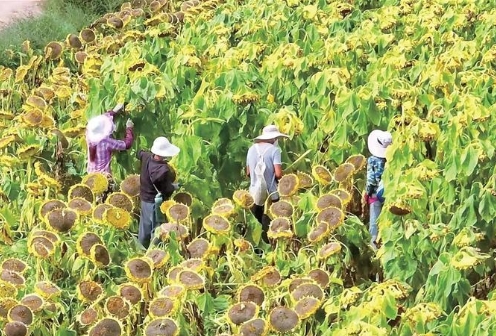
{"x": 183, "y": 198}
{"x": 320, "y": 276}
{"x": 99, "y": 211}
{"x": 130, "y": 292}
{"x": 283, "y": 319}
{"x": 190, "y": 279}
{"x": 139, "y": 270}
{"x": 242, "y": 312}
{"x": 344, "y": 195}
{"x": 162, "y": 327}
{"x": 319, "y": 232}
{"x": 99, "y": 255}
{"x": 358, "y": 161}
{"x": 117, "y": 306}
{"x": 158, "y": 256}
{"x": 329, "y": 249}
{"x": 328, "y": 200}
{"x": 15, "y": 328}
{"x": 344, "y": 172}
{"x": 131, "y": 185}
{"x": 85, "y": 242}
{"x": 89, "y": 291}
{"x": 5, "y": 304}
{"x": 307, "y": 289}
{"x": 12, "y": 277}
{"x": 251, "y": 293}
{"x": 168, "y": 230}
{"x": 88, "y": 316}
{"x": 173, "y": 291}
{"x": 226, "y": 210}
{"x": 62, "y": 220}
{"x": 306, "y": 181}
{"x": 106, "y": 327}
{"x": 243, "y": 199}
{"x": 80, "y": 205}
{"x": 333, "y": 216}
{"x": 20, "y": 313}
{"x": 306, "y": 307}
{"x": 162, "y": 307}
{"x": 33, "y": 301}
{"x": 280, "y": 228}
{"x": 47, "y": 289}
{"x": 254, "y": 327}
{"x": 321, "y": 174}
{"x": 288, "y": 185}
{"x": 198, "y": 248}
{"x": 269, "y": 276}
{"x": 14, "y": 264}
{"x": 83, "y": 191}
{"x": 281, "y": 209}
{"x": 216, "y": 224}
{"x": 120, "y": 200}
{"x": 298, "y": 281}
{"x": 178, "y": 213}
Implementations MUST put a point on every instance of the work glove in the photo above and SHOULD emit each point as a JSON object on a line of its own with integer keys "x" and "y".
{"x": 129, "y": 123}
{"x": 176, "y": 185}
{"x": 118, "y": 108}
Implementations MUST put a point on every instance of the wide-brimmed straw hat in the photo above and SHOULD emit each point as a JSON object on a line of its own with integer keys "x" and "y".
{"x": 378, "y": 141}
{"x": 99, "y": 128}
{"x": 163, "y": 147}
{"x": 270, "y": 132}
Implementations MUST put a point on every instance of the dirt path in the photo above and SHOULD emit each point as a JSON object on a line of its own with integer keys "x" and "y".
{"x": 10, "y": 10}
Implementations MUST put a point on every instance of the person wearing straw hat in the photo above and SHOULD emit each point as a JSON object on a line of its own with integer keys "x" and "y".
{"x": 157, "y": 177}
{"x": 265, "y": 147}
{"x": 100, "y": 143}
{"x": 377, "y": 142}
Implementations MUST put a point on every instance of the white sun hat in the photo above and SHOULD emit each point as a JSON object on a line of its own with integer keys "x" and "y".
{"x": 99, "y": 128}
{"x": 378, "y": 141}
{"x": 270, "y": 132}
{"x": 163, "y": 147}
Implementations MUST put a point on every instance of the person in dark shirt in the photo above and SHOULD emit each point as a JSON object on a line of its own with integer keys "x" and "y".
{"x": 156, "y": 177}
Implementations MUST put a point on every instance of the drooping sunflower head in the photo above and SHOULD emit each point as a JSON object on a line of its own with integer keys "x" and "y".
{"x": 158, "y": 256}
{"x": 33, "y": 117}
{"x": 88, "y": 316}
{"x": 283, "y": 319}
{"x": 254, "y": 327}
{"x": 280, "y": 228}
{"x": 222, "y": 201}
{"x": 28, "y": 151}
{"x": 400, "y": 208}
{"x": 307, "y": 307}
{"x": 178, "y": 212}
{"x": 99, "y": 212}
{"x": 281, "y": 209}
{"x": 305, "y": 180}
{"x": 344, "y": 172}
{"x": 89, "y": 291}
{"x": 130, "y": 292}
{"x": 139, "y": 270}
{"x": 194, "y": 264}
{"x": 62, "y": 220}
{"x": 80, "y": 205}
{"x": 36, "y": 102}
{"x": 358, "y": 161}
{"x": 5, "y": 304}
{"x": 15, "y": 265}
{"x": 118, "y": 218}
{"x": 243, "y": 199}
{"x": 320, "y": 276}
{"x": 328, "y": 200}
{"x": 131, "y": 185}
{"x": 41, "y": 247}
{"x": 251, "y": 293}
{"x": 15, "y": 328}
{"x": 7, "y": 140}
{"x": 53, "y": 50}
{"x": 161, "y": 326}
{"x": 13, "y": 278}
{"x": 173, "y": 273}
{"x": 117, "y": 306}
{"x": 321, "y": 174}
{"x": 33, "y": 301}
{"x": 107, "y": 326}
{"x": 97, "y": 182}
{"x": 190, "y": 279}
{"x": 344, "y": 195}
{"x": 216, "y": 224}
{"x": 47, "y": 289}
{"x": 198, "y": 248}
{"x": 83, "y": 191}
{"x": 288, "y": 185}
{"x": 85, "y": 242}
{"x": 120, "y": 200}
{"x": 306, "y": 290}
{"x": 226, "y": 210}
{"x": 163, "y": 307}
{"x": 167, "y": 230}
{"x": 87, "y": 35}
{"x": 7, "y": 290}
{"x": 99, "y": 255}
{"x": 328, "y": 250}
{"x": 174, "y": 291}
{"x": 269, "y": 276}
{"x": 242, "y": 312}
{"x": 333, "y": 216}
{"x": 20, "y": 313}
{"x": 183, "y": 198}
{"x": 319, "y": 232}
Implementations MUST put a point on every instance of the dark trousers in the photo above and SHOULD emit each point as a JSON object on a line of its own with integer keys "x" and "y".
{"x": 259, "y": 213}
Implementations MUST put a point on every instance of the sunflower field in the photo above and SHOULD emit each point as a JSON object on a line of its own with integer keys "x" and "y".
{"x": 209, "y": 75}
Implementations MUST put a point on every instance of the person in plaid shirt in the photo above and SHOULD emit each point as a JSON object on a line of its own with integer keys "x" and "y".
{"x": 378, "y": 141}
{"x": 100, "y": 143}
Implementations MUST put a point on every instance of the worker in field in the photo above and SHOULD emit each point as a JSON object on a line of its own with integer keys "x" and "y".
{"x": 156, "y": 181}
{"x": 378, "y": 141}
{"x": 264, "y": 167}
{"x": 101, "y": 144}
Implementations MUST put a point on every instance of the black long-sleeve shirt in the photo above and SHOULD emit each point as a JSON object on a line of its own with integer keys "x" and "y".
{"x": 156, "y": 173}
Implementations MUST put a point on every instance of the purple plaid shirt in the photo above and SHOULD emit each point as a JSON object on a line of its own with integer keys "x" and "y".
{"x": 105, "y": 148}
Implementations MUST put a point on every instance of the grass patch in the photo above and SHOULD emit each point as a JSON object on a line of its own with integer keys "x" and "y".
{"x": 58, "y": 19}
